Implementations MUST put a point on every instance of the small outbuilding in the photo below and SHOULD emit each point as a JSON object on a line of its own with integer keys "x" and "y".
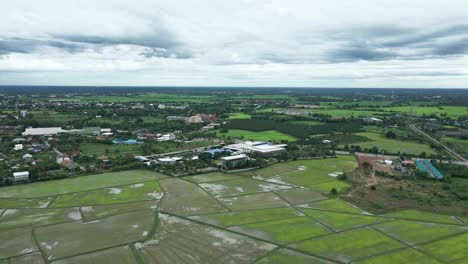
{"x": 234, "y": 161}
{"x": 21, "y": 176}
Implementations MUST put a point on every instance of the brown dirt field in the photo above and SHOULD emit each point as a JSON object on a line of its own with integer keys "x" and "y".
{"x": 371, "y": 160}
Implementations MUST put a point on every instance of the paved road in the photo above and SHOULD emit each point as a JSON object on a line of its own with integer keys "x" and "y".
{"x": 449, "y": 150}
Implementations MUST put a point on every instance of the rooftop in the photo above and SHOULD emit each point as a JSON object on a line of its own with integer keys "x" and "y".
{"x": 235, "y": 157}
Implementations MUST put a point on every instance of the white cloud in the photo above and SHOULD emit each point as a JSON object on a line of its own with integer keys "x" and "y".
{"x": 352, "y": 43}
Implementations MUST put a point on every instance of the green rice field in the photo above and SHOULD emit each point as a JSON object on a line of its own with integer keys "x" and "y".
{"x": 277, "y": 214}
{"x": 239, "y": 116}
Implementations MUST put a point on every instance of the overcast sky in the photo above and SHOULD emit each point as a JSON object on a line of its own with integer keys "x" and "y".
{"x": 300, "y": 43}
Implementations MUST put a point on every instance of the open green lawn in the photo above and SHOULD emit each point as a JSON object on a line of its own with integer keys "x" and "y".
{"x": 400, "y": 256}
{"x": 313, "y": 174}
{"x": 78, "y": 184}
{"x": 117, "y": 194}
{"x": 307, "y": 122}
{"x": 285, "y": 256}
{"x": 285, "y": 230}
{"x": 451, "y": 250}
{"x": 424, "y": 216}
{"x": 343, "y": 113}
{"x": 418, "y": 232}
{"x": 147, "y": 98}
{"x": 393, "y": 145}
{"x": 363, "y": 110}
{"x": 253, "y": 201}
{"x": 350, "y": 245}
{"x": 450, "y": 111}
{"x": 24, "y": 203}
{"x": 342, "y": 221}
{"x": 37, "y": 217}
{"x": 334, "y": 205}
{"x": 75, "y": 238}
{"x": 55, "y": 117}
{"x": 240, "y": 187}
{"x": 249, "y": 217}
{"x": 239, "y": 116}
{"x": 460, "y": 144}
{"x": 269, "y": 135}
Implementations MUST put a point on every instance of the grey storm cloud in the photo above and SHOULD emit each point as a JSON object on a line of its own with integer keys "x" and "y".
{"x": 390, "y": 42}
{"x": 160, "y": 44}
{"x": 264, "y": 42}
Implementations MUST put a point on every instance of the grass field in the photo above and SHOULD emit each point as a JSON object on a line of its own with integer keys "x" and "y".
{"x": 451, "y": 250}
{"x": 285, "y": 256}
{"x": 363, "y": 110}
{"x": 393, "y": 145}
{"x": 269, "y": 135}
{"x": 79, "y": 184}
{"x": 54, "y": 117}
{"x": 400, "y": 256}
{"x": 131, "y": 227}
{"x": 239, "y": 187}
{"x": 459, "y": 144}
{"x": 413, "y": 232}
{"x": 350, "y": 245}
{"x": 313, "y": 174}
{"x": 334, "y": 205}
{"x": 450, "y": 111}
{"x": 249, "y": 217}
{"x": 342, "y": 221}
{"x": 147, "y": 98}
{"x": 307, "y": 122}
{"x": 285, "y": 231}
{"x": 254, "y": 217}
{"x": 239, "y": 116}
{"x": 117, "y": 194}
{"x": 424, "y": 216}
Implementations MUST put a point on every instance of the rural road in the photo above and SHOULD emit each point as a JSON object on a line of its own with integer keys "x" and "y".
{"x": 449, "y": 150}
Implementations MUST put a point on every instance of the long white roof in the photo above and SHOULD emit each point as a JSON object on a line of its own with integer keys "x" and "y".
{"x": 235, "y": 157}
{"x": 42, "y": 131}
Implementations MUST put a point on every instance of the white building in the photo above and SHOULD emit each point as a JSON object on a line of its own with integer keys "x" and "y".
{"x": 23, "y": 113}
{"x": 257, "y": 147}
{"x": 18, "y": 147}
{"x": 230, "y": 162}
{"x": 371, "y": 120}
{"x": 21, "y": 176}
{"x": 42, "y": 131}
{"x": 28, "y": 157}
{"x": 196, "y": 119}
{"x": 169, "y": 160}
{"x": 166, "y": 137}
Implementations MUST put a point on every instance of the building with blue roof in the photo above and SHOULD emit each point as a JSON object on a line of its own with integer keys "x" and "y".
{"x": 426, "y": 166}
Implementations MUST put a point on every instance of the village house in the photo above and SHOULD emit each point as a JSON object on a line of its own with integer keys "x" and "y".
{"x": 20, "y": 176}
{"x": 235, "y": 161}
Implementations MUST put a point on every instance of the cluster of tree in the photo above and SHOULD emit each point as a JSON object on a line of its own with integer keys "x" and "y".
{"x": 451, "y": 170}
{"x": 296, "y": 130}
